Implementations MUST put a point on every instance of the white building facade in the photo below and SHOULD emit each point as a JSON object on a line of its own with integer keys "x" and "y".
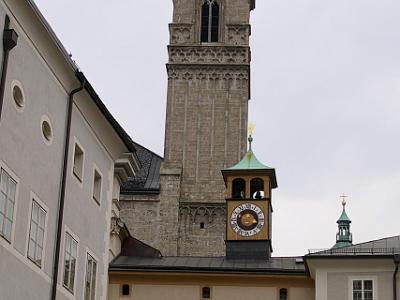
{"x": 46, "y": 213}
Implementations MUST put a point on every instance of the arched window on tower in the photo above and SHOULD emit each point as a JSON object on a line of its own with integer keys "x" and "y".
{"x": 238, "y": 188}
{"x": 257, "y": 188}
{"x": 210, "y": 12}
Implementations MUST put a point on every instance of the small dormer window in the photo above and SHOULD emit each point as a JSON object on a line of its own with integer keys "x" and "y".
{"x": 210, "y": 14}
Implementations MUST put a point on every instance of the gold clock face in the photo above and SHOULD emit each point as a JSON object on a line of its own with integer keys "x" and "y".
{"x": 247, "y": 219}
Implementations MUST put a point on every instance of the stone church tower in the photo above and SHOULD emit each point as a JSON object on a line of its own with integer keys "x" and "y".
{"x": 206, "y": 128}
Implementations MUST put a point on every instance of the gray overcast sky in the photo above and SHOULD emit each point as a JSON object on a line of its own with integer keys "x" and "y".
{"x": 325, "y": 100}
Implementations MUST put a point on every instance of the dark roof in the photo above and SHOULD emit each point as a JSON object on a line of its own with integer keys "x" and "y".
{"x": 275, "y": 265}
{"x": 147, "y": 180}
{"x": 382, "y": 247}
{"x": 80, "y": 76}
{"x": 136, "y": 248}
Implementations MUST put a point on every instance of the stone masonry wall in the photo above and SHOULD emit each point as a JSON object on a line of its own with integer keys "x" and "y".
{"x": 153, "y": 219}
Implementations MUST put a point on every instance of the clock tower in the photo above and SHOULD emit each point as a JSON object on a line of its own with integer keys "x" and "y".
{"x": 248, "y": 197}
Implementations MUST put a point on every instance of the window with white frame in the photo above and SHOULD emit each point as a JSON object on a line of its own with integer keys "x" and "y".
{"x": 96, "y": 186}
{"x": 8, "y": 189}
{"x": 78, "y": 162}
{"x": 363, "y": 289}
{"x": 90, "y": 280}
{"x": 70, "y": 255}
{"x": 36, "y": 233}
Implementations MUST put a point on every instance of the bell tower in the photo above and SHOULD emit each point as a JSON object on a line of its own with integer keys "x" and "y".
{"x": 207, "y": 110}
{"x": 249, "y": 187}
{"x": 344, "y": 237}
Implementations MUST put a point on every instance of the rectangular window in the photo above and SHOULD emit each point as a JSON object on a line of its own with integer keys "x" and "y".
{"x": 71, "y": 250}
{"x": 96, "y": 186}
{"x": 90, "y": 281}
{"x": 363, "y": 289}
{"x": 36, "y": 234}
{"x": 78, "y": 162}
{"x": 8, "y": 188}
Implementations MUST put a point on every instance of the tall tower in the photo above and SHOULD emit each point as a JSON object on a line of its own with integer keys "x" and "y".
{"x": 207, "y": 111}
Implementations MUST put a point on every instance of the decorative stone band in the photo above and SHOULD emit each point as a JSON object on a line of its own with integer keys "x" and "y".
{"x": 237, "y": 34}
{"x": 208, "y": 210}
{"x": 224, "y": 72}
{"x": 180, "y": 33}
{"x": 209, "y": 55}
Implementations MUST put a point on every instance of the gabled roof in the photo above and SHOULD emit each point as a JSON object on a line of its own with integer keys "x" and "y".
{"x": 147, "y": 180}
{"x": 381, "y": 247}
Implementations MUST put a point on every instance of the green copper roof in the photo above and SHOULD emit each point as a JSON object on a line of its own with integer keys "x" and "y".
{"x": 344, "y": 217}
{"x": 342, "y": 244}
{"x": 249, "y": 162}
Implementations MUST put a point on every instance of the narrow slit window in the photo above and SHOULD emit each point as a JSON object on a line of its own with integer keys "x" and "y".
{"x": 210, "y": 15}
{"x": 97, "y": 180}
{"x": 206, "y": 293}
{"x": 125, "y": 290}
{"x": 7, "y": 203}
{"x": 283, "y": 294}
{"x": 78, "y": 162}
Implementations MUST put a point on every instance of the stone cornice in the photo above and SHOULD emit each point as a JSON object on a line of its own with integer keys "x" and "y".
{"x": 203, "y": 55}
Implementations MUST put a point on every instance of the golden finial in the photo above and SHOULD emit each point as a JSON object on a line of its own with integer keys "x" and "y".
{"x": 344, "y": 201}
{"x": 251, "y": 129}
{"x": 250, "y": 139}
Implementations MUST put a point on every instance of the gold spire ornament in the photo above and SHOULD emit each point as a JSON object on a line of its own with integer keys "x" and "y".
{"x": 251, "y": 129}
{"x": 250, "y": 139}
{"x": 344, "y": 201}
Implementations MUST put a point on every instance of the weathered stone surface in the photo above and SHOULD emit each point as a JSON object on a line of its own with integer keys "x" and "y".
{"x": 206, "y": 128}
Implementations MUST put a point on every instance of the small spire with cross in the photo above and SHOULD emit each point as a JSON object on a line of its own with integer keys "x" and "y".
{"x": 344, "y": 237}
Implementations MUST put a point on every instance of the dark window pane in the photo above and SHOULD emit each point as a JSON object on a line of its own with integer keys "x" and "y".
{"x": 204, "y": 22}
{"x": 283, "y": 294}
{"x": 368, "y": 295}
{"x": 368, "y": 284}
{"x": 215, "y": 22}
{"x": 206, "y": 293}
{"x": 357, "y": 285}
{"x": 125, "y": 290}
{"x": 357, "y": 296}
